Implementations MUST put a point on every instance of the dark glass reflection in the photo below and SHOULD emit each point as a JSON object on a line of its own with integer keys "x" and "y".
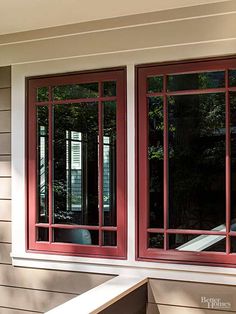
{"x": 232, "y": 78}
{"x": 197, "y": 243}
{"x": 233, "y": 245}
{"x": 42, "y": 164}
{"x": 155, "y": 157}
{"x": 155, "y": 84}
{"x": 109, "y": 163}
{"x": 233, "y": 159}
{"x": 109, "y": 238}
{"x": 197, "y": 161}
{"x": 76, "y": 236}
{"x": 42, "y": 234}
{"x": 42, "y": 94}
{"x": 109, "y": 89}
{"x": 75, "y": 152}
{"x": 156, "y": 240}
{"x": 202, "y": 80}
{"x": 75, "y": 91}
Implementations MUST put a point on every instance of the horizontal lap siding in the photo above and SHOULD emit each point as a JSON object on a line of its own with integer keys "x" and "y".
{"x": 5, "y": 94}
{"x": 5, "y": 310}
{"x": 5, "y": 250}
{"x": 133, "y": 303}
{"x": 5, "y": 187}
{"x": 5, "y": 167}
{"x": 5, "y": 232}
{"x": 5, "y": 140}
{"x": 5, "y": 210}
{"x": 5, "y": 121}
{"x": 166, "y": 309}
{"x": 50, "y": 280}
{"x": 169, "y": 294}
{"x": 27, "y": 290}
{"x": 31, "y": 300}
{"x": 5, "y": 171}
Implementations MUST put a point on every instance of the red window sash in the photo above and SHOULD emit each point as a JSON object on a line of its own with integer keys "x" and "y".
{"x": 142, "y": 173}
{"x": 118, "y": 251}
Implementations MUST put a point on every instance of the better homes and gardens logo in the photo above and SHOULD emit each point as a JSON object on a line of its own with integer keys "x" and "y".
{"x": 215, "y": 303}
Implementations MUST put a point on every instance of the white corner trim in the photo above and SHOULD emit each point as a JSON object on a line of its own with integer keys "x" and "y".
{"x": 103, "y": 296}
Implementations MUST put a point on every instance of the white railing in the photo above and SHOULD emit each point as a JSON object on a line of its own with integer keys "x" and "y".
{"x": 101, "y": 297}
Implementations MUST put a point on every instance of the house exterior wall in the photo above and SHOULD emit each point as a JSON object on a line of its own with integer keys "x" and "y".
{"x": 188, "y": 33}
{"x": 27, "y": 289}
{"x": 174, "y": 297}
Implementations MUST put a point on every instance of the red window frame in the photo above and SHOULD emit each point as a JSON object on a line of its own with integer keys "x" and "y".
{"x": 32, "y": 83}
{"x": 143, "y": 252}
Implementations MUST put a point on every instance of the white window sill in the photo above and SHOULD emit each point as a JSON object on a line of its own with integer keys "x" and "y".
{"x": 182, "y": 272}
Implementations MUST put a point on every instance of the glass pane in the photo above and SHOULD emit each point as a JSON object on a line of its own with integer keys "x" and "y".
{"x": 233, "y": 159}
{"x": 155, "y": 157}
{"x": 154, "y": 84}
{"x": 42, "y": 164}
{"x": 75, "y": 150}
{"x": 190, "y": 81}
{"x": 77, "y": 236}
{"x": 197, "y": 243}
{"x": 232, "y": 78}
{"x": 233, "y": 244}
{"x": 109, "y": 163}
{"x": 109, "y": 89}
{"x": 156, "y": 240}
{"x": 109, "y": 238}
{"x": 75, "y": 91}
{"x": 42, "y": 234}
{"x": 197, "y": 162}
{"x": 42, "y": 94}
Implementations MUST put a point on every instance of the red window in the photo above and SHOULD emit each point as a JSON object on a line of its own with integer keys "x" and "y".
{"x": 186, "y": 135}
{"x": 76, "y": 157}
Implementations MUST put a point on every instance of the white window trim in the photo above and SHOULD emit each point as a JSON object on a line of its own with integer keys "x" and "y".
{"x": 73, "y": 263}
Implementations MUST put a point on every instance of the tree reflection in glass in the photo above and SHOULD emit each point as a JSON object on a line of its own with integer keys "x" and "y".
{"x": 75, "y": 155}
{"x": 42, "y": 163}
{"x": 155, "y": 157}
{"x": 109, "y": 163}
{"x": 197, "y": 161}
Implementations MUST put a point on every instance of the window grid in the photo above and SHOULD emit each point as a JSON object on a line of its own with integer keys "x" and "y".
{"x": 118, "y": 251}
{"x": 144, "y": 252}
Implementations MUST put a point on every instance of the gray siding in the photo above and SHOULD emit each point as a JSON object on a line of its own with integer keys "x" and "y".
{"x": 166, "y": 309}
{"x": 27, "y": 290}
{"x": 175, "y": 297}
{"x": 133, "y": 303}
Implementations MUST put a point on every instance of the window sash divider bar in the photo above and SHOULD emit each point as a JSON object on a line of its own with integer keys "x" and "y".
{"x": 165, "y": 115}
{"x": 227, "y": 163}
{"x": 186, "y": 231}
{"x": 64, "y": 226}
{"x": 197, "y": 232}
{"x": 100, "y": 163}
{"x": 75, "y": 101}
{"x": 196, "y": 91}
{"x": 50, "y": 166}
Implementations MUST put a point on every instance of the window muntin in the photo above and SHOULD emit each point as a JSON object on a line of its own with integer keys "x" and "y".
{"x": 79, "y": 179}
{"x": 186, "y": 153}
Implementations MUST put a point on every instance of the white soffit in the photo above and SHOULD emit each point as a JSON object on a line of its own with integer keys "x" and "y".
{"x": 24, "y": 15}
